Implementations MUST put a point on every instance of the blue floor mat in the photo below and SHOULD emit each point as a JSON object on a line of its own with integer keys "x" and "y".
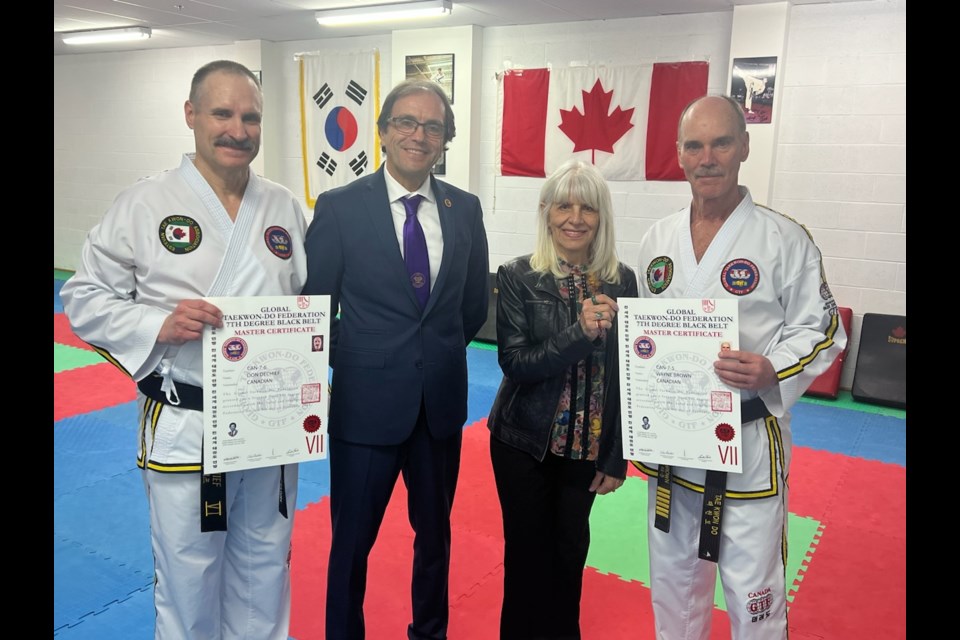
{"x": 57, "y": 304}
{"x": 105, "y": 580}
{"x": 93, "y": 447}
{"x": 109, "y": 518}
{"x": 851, "y": 433}
{"x": 129, "y": 617}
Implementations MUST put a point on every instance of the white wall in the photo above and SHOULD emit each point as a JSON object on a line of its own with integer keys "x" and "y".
{"x": 841, "y": 160}
{"x": 116, "y": 118}
{"x": 840, "y": 153}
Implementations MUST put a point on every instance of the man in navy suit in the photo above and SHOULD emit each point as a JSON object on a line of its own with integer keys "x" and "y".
{"x": 410, "y": 300}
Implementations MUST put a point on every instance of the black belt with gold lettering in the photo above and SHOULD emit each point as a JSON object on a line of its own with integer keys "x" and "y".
{"x": 714, "y": 493}
{"x": 213, "y": 487}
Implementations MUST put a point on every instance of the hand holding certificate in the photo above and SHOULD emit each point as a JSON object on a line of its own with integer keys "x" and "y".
{"x": 675, "y": 410}
{"x": 264, "y": 381}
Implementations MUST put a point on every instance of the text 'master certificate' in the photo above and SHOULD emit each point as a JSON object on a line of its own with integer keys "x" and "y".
{"x": 674, "y": 408}
{"x": 265, "y": 382}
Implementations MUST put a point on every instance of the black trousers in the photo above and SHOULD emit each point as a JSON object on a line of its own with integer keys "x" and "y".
{"x": 362, "y": 478}
{"x": 546, "y": 531}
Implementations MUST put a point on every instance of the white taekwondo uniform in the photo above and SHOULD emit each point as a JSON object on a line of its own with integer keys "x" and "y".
{"x": 769, "y": 263}
{"x": 166, "y": 239}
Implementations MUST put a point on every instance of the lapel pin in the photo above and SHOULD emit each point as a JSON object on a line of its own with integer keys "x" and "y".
{"x": 447, "y": 202}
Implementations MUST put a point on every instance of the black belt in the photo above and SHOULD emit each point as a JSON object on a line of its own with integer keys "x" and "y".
{"x": 213, "y": 487}
{"x": 714, "y": 492}
{"x": 753, "y": 409}
{"x": 190, "y": 396}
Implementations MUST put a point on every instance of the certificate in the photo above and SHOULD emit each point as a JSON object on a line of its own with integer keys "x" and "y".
{"x": 265, "y": 382}
{"x": 674, "y": 408}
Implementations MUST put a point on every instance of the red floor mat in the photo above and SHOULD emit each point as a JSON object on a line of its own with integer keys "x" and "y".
{"x": 853, "y": 587}
{"x": 89, "y": 389}
{"x": 63, "y": 334}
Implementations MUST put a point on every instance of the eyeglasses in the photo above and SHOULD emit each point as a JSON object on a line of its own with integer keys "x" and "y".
{"x": 408, "y": 126}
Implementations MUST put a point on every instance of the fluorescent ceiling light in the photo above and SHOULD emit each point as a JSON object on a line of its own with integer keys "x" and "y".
{"x": 383, "y": 12}
{"x": 106, "y": 35}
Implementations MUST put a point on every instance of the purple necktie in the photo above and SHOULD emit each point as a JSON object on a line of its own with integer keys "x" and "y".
{"x": 415, "y": 251}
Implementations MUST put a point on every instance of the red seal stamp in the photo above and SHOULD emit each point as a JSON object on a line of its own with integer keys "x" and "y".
{"x": 311, "y": 423}
{"x": 724, "y": 432}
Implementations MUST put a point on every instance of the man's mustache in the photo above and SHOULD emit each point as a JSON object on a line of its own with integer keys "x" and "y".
{"x": 242, "y": 145}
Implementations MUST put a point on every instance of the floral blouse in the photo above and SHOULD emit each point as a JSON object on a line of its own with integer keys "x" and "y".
{"x": 584, "y": 380}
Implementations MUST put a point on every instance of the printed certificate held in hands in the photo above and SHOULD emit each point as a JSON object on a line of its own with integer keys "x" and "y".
{"x": 265, "y": 382}
{"x": 674, "y": 408}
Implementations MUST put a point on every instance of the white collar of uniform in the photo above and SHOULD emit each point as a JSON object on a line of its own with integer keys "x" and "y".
{"x": 395, "y": 190}
{"x": 746, "y": 201}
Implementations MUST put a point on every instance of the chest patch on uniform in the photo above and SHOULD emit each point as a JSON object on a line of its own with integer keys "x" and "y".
{"x": 180, "y": 234}
{"x": 659, "y": 274}
{"x": 740, "y": 276}
{"x": 278, "y": 241}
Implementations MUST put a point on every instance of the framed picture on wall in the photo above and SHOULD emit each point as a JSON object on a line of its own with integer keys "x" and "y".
{"x": 437, "y": 67}
{"x": 440, "y": 168}
{"x": 752, "y": 84}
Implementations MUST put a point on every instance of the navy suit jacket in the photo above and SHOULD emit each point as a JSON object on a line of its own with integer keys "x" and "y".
{"x": 387, "y": 355}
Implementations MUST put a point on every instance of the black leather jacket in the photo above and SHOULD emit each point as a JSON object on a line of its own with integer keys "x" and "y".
{"x": 537, "y": 344}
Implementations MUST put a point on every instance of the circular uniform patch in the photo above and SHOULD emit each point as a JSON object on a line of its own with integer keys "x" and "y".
{"x": 278, "y": 241}
{"x": 234, "y": 349}
{"x": 825, "y": 291}
{"x": 659, "y": 274}
{"x": 724, "y": 432}
{"x": 180, "y": 234}
{"x": 740, "y": 276}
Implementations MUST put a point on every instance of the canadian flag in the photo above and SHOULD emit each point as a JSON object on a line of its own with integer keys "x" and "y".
{"x": 621, "y": 119}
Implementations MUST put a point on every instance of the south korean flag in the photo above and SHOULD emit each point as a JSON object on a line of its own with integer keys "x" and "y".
{"x": 338, "y": 111}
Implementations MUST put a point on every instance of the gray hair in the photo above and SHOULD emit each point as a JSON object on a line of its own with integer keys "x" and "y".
{"x": 577, "y": 181}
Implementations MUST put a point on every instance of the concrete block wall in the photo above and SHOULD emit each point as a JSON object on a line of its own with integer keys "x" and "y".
{"x": 841, "y": 157}
{"x": 117, "y": 118}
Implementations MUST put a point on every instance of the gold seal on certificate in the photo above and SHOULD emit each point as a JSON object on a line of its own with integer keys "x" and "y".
{"x": 674, "y": 408}
{"x": 264, "y": 382}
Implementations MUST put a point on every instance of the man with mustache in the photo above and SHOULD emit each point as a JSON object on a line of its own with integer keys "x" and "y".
{"x": 211, "y": 227}
{"x": 403, "y": 257}
{"x": 724, "y": 246}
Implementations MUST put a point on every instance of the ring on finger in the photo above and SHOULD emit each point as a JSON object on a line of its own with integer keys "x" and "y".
{"x": 593, "y": 299}
{"x": 598, "y": 315}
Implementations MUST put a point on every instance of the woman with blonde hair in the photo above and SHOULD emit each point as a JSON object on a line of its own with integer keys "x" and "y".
{"x": 555, "y": 425}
